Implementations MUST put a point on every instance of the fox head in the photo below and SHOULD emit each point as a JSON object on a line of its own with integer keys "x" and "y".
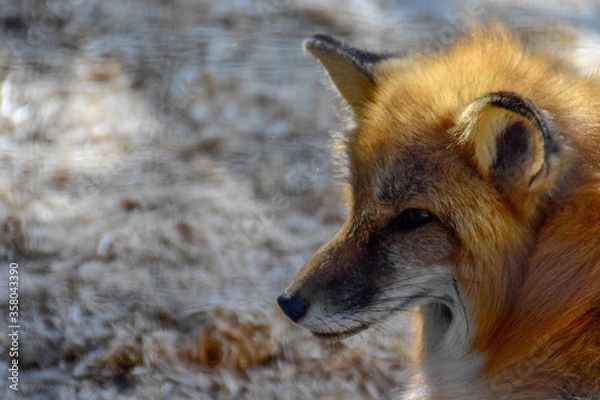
{"x": 452, "y": 159}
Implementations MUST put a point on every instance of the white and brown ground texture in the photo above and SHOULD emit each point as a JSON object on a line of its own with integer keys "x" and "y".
{"x": 164, "y": 172}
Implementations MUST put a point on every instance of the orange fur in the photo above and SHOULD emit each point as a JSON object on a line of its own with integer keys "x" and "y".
{"x": 518, "y": 226}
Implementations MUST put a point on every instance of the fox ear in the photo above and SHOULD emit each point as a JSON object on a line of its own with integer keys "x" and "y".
{"x": 351, "y": 70}
{"x": 514, "y": 144}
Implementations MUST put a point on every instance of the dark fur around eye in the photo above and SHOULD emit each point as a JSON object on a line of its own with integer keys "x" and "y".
{"x": 408, "y": 220}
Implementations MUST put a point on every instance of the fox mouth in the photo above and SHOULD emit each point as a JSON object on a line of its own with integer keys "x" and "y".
{"x": 340, "y": 335}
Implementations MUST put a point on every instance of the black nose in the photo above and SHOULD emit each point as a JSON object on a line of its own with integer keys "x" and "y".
{"x": 294, "y": 306}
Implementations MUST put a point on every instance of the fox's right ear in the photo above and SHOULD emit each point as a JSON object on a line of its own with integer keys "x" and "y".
{"x": 351, "y": 70}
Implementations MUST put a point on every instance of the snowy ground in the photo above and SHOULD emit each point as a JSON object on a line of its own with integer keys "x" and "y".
{"x": 164, "y": 172}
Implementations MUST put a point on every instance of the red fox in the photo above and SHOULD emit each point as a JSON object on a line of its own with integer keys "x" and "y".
{"x": 474, "y": 198}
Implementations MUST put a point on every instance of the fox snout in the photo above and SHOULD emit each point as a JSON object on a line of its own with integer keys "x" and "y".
{"x": 293, "y": 305}
{"x": 360, "y": 277}
{"x": 334, "y": 285}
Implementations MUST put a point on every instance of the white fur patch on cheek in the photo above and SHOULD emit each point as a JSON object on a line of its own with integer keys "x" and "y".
{"x": 316, "y": 319}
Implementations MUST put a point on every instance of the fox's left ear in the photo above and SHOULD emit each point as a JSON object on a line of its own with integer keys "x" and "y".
{"x": 513, "y": 143}
{"x": 351, "y": 70}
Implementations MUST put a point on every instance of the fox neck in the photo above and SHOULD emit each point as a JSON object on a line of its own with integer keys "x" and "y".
{"x": 449, "y": 369}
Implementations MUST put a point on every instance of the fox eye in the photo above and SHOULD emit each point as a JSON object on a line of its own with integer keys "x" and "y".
{"x": 409, "y": 219}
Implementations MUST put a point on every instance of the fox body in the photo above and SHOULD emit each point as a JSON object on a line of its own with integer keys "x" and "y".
{"x": 474, "y": 198}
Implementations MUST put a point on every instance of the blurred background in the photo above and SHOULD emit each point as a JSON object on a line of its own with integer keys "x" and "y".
{"x": 164, "y": 172}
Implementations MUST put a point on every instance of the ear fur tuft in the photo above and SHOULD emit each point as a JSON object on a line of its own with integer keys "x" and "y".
{"x": 352, "y": 71}
{"x": 514, "y": 144}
